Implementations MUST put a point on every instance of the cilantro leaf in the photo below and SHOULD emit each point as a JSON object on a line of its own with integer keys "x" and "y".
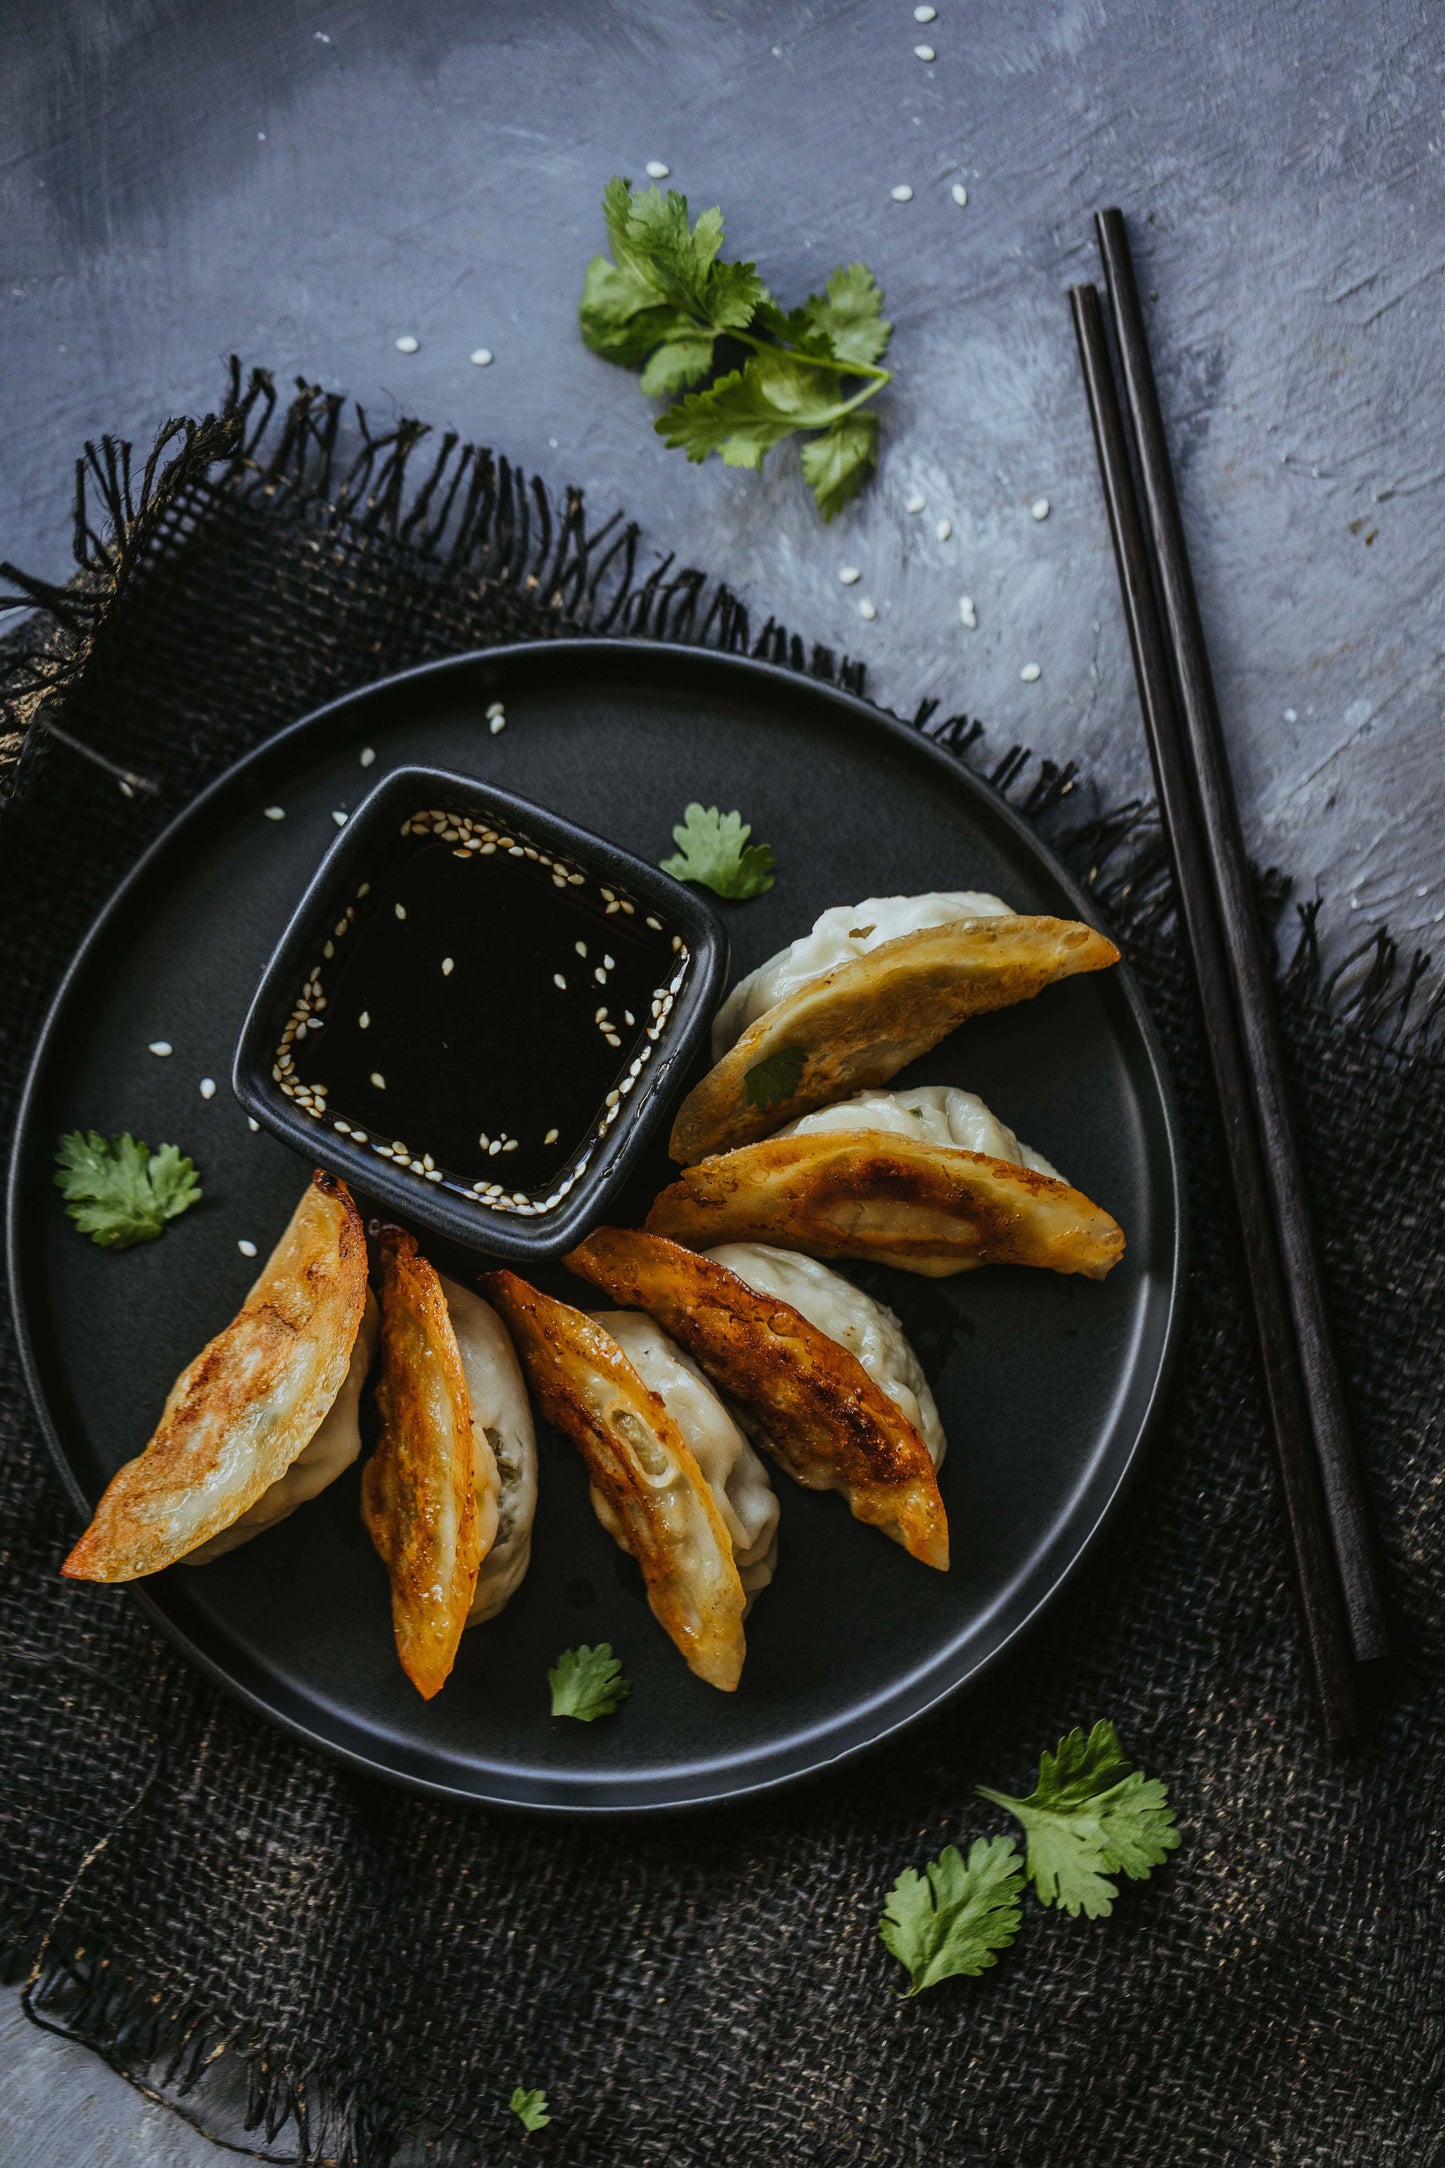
{"x": 1092, "y": 1814}
{"x": 118, "y": 1191}
{"x": 957, "y": 1919}
{"x": 776, "y": 1077}
{"x": 837, "y": 464}
{"x": 587, "y": 1683}
{"x": 531, "y": 2107}
{"x": 665, "y": 296}
{"x": 714, "y": 851}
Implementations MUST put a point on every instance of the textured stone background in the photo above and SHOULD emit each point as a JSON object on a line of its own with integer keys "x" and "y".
{"x": 304, "y": 183}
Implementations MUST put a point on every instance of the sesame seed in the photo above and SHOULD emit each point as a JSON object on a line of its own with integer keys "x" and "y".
{"x": 611, "y": 907}
{"x": 342, "y": 1128}
{"x": 960, "y": 195}
{"x": 339, "y": 818}
{"x": 448, "y": 966}
{"x": 581, "y": 947}
{"x": 914, "y": 503}
{"x": 924, "y": 52}
{"x": 275, "y": 812}
{"x": 494, "y": 1147}
{"x": 628, "y": 1017}
{"x": 481, "y": 357}
{"x": 406, "y": 344}
{"x": 655, "y": 924}
{"x": 609, "y": 963}
{"x": 944, "y": 529}
{"x": 427, "y": 1161}
{"x": 247, "y": 1249}
{"x": 252, "y": 1124}
{"x": 867, "y": 610}
{"x": 599, "y": 1016}
{"x": 924, "y": 15}
{"x": 1040, "y": 508}
{"x": 208, "y": 1087}
{"x": 497, "y": 723}
{"x": 510, "y": 1145}
{"x": 367, "y": 755}
{"x": 902, "y": 193}
{"x": 656, "y": 170}
{"x": 400, "y": 909}
{"x": 551, "y": 1136}
{"x": 559, "y": 981}
{"x": 850, "y": 576}
{"x": 611, "y": 1038}
{"x": 364, "y": 890}
{"x": 364, "y": 1020}
{"x": 1030, "y": 673}
{"x": 967, "y": 612}
{"x": 160, "y": 1046}
{"x": 378, "y": 1080}
{"x": 611, "y": 1099}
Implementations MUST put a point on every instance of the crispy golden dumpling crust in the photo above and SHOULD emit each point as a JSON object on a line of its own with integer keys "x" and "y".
{"x": 807, "y": 1399}
{"x": 657, "y": 1496}
{"x": 867, "y": 1193}
{"x": 866, "y": 1019}
{"x": 428, "y": 1515}
{"x": 239, "y": 1415}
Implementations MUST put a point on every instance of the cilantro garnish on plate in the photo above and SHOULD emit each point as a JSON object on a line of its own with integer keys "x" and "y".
{"x": 118, "y": 1191}
{"x": 957, "y": 1915}
{"x": 531, "y": 2107}
{"x": 664, "y": 299}
{"x": 1092, "y": 1814}
{"x": 587, "y": 1683}
{"x": 714, "y": 851}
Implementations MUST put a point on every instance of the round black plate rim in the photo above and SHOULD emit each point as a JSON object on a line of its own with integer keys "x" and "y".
{"x": 870, "y": 1732}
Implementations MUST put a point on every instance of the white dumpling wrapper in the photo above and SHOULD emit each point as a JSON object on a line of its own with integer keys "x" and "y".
{"x": 848, "y": 1314}
{"x": 333, "y": 1446}
{"x": 501, "y": 1422}
{"x": 840, "y": 934}
{"x": 938, "y": 1113}
{"x": 737, "y": 1478}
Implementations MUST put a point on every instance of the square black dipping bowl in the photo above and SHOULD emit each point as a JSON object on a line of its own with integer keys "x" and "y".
{"x": 479, "y": 1013}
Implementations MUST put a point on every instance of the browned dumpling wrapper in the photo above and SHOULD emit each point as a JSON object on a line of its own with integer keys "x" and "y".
{"x": 429, "y": 1491}
{"x": 807, "y": 1399}
{"x": 247, "y": 1407}
{"x": 657, "y": 1496}
{"x": 865, "y": 1020}
{"x": 868, "y": 1194}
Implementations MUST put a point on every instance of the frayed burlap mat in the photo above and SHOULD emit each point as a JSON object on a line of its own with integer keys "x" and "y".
{"x": 197, "y": 1894}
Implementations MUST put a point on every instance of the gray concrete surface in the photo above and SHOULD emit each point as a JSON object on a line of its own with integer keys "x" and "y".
{"x": 304, "y": 181}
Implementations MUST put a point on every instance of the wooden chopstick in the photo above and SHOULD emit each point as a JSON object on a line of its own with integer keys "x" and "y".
{"x": 1288, "y": 1377}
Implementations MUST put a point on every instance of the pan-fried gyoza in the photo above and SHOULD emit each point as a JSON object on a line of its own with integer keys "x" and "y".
{"x": 873, "y": 986}
{"x": 807, "y": 1399}
{"x": 656, "y": 1499}
{"x": 239, "y": 1417}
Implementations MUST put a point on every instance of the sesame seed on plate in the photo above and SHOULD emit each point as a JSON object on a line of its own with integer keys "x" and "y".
{"x": 656, "y": 170}
{"x": 924, "y": 52}
{"x": 944, "y": 529}
{"x": 1040, "y": 508}
{"x": 850, "y": 575}
{"x": 497, "y": 707}
{"x": 208, "y": 1087}
{"x": 915, "y": 503}
{"x": 367, "y": 755}
{"x": 967, "y": 612}
{"x": 960, "y": 195}
{"x": 339, "y": 817}
{"x": 400, "y": 909}
{"x": 378, "y": 1080}
{"x": 924, "y": 15}
{"x": 275, "y": 812}
{"x": 160, "y": 1046}
{"x": 481, "y": 357}
{"x": 497, "y": 724}
{"x": 1030, "y": 673}
{"x": 867, "y": 610}
{"x": 406, "y": 344}
{"x": 252, "y": 1124}
{"x": 902, "y": 193}
{"x": 247, "y": 1249}
{"x": 559, "y": 981}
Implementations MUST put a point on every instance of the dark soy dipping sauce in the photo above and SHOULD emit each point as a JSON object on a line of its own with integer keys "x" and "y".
{"x": 456, "y": 1006}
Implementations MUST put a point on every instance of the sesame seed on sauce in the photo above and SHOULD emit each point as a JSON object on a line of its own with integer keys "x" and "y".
{"x": 400, "y": 909}
{"x": 378, "y": 1080}
{"x": 551, "y": 1136}
{"x": 160, "y": 1046}
{"x": 448, "y": 966}
{"x": 558, "y": 980}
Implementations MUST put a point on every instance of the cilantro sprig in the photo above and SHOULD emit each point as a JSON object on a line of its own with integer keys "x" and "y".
{"x": 587, "y": 1683}
{"x": 664, "y": 299}
{"x": 776, "y": 1077}
{"x": 118, "y": 1191}
{"x": 715, "y": 852}
{"x": 1092, "y": 1814}
{"x": 530, "y": 2107}
{"x": 957, "y": 1915}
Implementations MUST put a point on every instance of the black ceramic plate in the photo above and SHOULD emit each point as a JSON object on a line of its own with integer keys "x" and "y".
{"x": 1046, "y": 1385}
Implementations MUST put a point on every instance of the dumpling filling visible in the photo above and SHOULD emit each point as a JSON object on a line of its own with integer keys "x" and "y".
{"x": 502, "y": 1417}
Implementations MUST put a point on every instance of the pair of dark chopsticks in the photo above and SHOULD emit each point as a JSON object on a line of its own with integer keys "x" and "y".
{"x": 1324, "y": 1497}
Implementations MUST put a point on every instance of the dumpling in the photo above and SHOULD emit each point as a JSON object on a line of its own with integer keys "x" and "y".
{"x": 503, "y": 1414}
{"x": 941, "y": 1113}
{"x": 870, "y": 989}
{"x": 736, "y": 1477}
{"x": 848, "y": 1183}
{"x": 244, "y": 1411}
{"x": 430, "y": 1492}
{"x": 331, "y": 1452}
{"x": 848, "y": 1314}
{"x": 805, "y": 1397}
{"x": 658, "y": 1499}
